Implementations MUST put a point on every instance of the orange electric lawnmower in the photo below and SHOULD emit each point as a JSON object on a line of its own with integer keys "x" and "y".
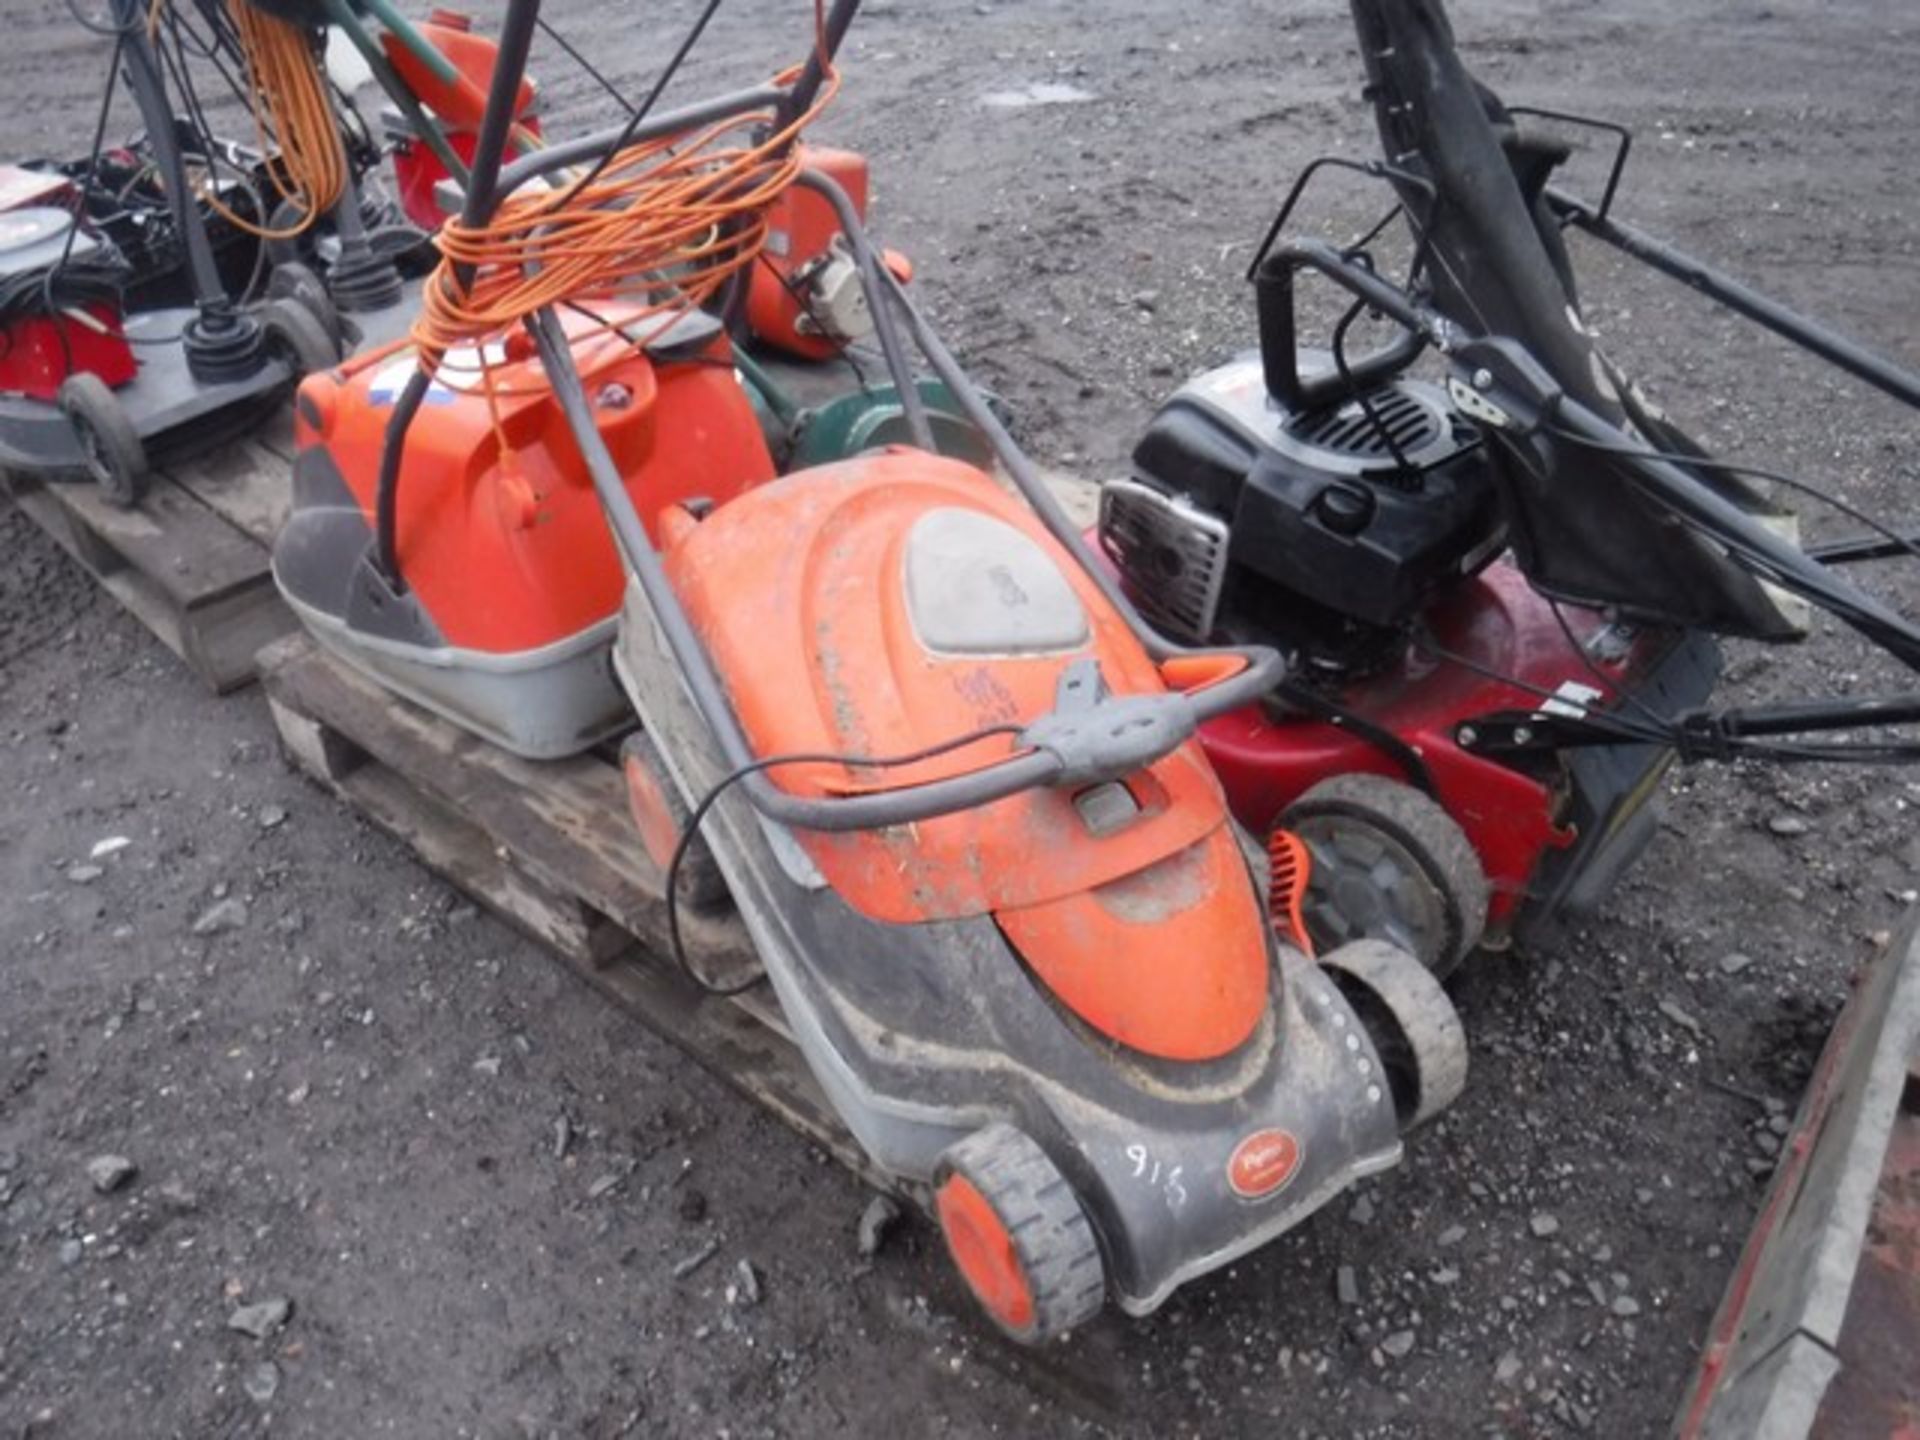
{"x": 949, "y": 776}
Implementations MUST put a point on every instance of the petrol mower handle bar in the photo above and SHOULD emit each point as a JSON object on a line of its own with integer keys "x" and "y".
{"x": 1498, "y": 383}
{"x": 1280, "y": 351}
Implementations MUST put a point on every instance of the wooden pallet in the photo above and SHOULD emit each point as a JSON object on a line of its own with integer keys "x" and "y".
{"x": 549, "y": 846}
{"x": 191, "y": 561}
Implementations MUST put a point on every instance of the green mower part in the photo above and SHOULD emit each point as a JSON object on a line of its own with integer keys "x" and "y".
{"x": 871, "y": 418}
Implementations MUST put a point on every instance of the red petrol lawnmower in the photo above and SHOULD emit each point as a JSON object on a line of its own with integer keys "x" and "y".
{"x": 1499, "y": 588}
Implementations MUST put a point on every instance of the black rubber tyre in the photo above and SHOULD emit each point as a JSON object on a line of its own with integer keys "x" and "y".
{"x": 406, "y": 246}
{"x": 1411, "y": 1021}
{"x": 109, "y": 445}
{"x": 294, "y": 281}
{"x": 1389, "y": 864}
{"x": 294, "y": 334}
{"x": 284, "y": 248}
{"x": 1018, "y": 1235}
{"x": 699, "y": 882}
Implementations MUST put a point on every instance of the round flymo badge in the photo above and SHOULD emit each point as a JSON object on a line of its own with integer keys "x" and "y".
{"x": 1263, "y": 1164}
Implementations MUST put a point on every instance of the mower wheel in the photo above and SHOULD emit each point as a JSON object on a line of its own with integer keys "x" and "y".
{"x": 109, "y": 445}
{"x": 294, "y": 281}
{"x": 1018, "y": 1235}
{"x": 294, "y": 335}
{"x": 1389, "y": 864}
{"x": 1414, "y": 1028}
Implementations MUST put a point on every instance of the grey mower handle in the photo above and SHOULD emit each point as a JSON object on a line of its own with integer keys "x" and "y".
{"x": 1082, "y": 741}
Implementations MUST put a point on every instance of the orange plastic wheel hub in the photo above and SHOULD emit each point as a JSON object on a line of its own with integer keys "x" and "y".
{"x": 983, "y": 1252}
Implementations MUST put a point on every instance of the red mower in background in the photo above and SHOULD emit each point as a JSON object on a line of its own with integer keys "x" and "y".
{"x": 1416, "y": 653}
{"x": 453, "y": 88}
{"x": 1499, "y": 589}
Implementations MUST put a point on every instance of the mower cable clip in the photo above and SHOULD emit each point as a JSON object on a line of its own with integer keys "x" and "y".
{"x": 1095, "y": 736}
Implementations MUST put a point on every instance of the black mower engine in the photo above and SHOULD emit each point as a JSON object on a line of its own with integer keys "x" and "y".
{"x": 1325, "y": 530}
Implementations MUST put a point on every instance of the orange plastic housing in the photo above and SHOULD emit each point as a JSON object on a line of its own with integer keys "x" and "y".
{"x": 508, "y": 550}
{"x": 1151, "y": 932}
{"x": 459, "y": 101}
{"x": 800, "y": 228}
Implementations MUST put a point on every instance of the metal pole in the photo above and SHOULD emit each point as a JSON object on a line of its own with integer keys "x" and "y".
{"x": 1829, "y": 345}
{"x": 220, "y": 342}
{"x": 516, "y": 41}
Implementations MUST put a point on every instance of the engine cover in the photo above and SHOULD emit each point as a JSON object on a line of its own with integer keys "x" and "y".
{"x": 1241, "y": 510}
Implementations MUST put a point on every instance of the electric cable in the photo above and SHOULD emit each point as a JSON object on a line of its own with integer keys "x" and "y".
{"x": 293, "y": 117}
{"x": 584, "y": 63}
{"x": 1732, "y": 467}
{"x": 1407, "y": 478}
{"x": 1675, "y": 734}
{"x": 692, "y": 828}
{"x": 86, "y": 185}
{"x": 664, "y": 223}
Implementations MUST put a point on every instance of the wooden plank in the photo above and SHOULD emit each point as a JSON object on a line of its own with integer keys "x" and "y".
{"x": 452, "y": 799}
{"x": 221, "y": 637}
{"x": 468, "y": 857}
{"x": 246, "y": 484}
{"x": 185, "y": 551}
{"x": 145, "y": 601}
{"x": 565, "y": 820}
{"x": 202, "y": 584}
{"x": 276, "y": 436}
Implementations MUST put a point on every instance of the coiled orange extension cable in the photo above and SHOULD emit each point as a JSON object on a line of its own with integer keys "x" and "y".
{"x": 292, "y": 116}
{"x": 665, "y": 223}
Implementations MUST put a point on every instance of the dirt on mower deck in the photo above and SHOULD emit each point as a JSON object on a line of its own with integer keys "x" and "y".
{"x": 494, "y": 1207}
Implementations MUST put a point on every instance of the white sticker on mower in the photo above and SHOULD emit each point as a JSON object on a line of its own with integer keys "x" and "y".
{"x": 460, "y": 370}
{"x": 1570, "y": 700}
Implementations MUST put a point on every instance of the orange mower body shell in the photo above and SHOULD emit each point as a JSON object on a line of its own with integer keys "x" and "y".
{"x": 499, "y": 532}
{"x": 797, "y": 592}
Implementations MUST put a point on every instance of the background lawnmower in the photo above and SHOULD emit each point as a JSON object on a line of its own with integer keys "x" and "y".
{"x": 1500, "y": 585}
{"x": 89, "y": 382}
{"x": 479, "y": 578}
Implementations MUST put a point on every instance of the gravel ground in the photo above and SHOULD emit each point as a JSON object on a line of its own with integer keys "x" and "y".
{"x": 477, "y": 1190}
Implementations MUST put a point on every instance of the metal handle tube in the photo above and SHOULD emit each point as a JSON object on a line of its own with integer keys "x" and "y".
{"x": 565, "y": 153}
{"x": 801, "y": 96}
{"x": 1755, "y": 547}
{"x": 1829, "y": 345}
{"x": 150, "y": 95}
{"x": 1264, "y": 666}
{"x": 1821, "y": 715}
{"x": 858, "y": 812}
{"x": 884, "y": 328}
{"x": 510, "y": 63}
{"x": 341, "y": 16}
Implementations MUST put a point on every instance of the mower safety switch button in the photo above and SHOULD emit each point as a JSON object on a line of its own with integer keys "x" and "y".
{"x": 1106, "y": 808}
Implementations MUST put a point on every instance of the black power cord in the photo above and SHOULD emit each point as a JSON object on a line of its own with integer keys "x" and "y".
{"x": 692, "y": 828}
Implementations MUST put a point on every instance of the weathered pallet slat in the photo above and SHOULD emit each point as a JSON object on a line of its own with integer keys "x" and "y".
{"x": 548, "y": 846}
{"x": 191, "y": 561}
{"x": 201, "y": 583}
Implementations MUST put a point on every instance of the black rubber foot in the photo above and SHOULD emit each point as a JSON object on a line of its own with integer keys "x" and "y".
{"x": 363, "y": 281}
{"x": 223, "y": 345}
